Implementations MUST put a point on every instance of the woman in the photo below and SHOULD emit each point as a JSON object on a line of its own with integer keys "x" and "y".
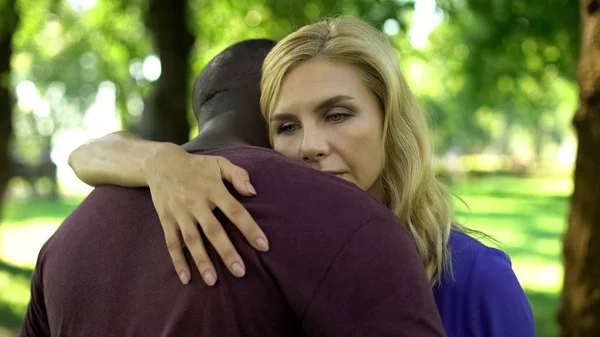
{"x": 334, "y": 98}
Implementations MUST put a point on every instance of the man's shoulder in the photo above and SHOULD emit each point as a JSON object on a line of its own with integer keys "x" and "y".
{"x": 113, "y": 197}
{"x": 262, "y": 162}
{"x": 285, "y": 181}
{"x": 103, "y": 208}
{"x": 249, "y": 156}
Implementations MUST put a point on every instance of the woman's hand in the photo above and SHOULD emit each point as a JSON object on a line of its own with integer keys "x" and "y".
{"x": 185, "y": 189}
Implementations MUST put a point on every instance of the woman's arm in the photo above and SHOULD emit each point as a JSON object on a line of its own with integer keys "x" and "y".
{"x": 118, "y": 158}
{"x": 185, "y": 189}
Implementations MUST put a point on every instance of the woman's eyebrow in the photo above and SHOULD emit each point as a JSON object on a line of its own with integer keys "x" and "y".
{"x": 328, "y": 103}
{"x": 282, "y": 116}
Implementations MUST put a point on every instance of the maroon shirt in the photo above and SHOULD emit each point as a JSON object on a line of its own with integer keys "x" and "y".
{"x": 340, "y": 264}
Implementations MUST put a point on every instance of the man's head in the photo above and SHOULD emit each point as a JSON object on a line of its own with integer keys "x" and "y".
{"x": 226, "y": 96}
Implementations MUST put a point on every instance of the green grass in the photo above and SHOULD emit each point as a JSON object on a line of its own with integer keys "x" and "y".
{"x": 16, "y": 212}
{"x": 527, "y": 217}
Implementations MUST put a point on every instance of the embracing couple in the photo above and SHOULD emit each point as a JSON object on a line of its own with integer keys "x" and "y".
{"x": 314, "y": 151}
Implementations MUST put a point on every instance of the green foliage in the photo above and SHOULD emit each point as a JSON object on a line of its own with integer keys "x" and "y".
{"x": 71, "y": 50}
{"x": 219, "y": 24}
{"x": 58, "y": 45}
{"x": 507, "y": 63}
{"x": 496, "y": 74}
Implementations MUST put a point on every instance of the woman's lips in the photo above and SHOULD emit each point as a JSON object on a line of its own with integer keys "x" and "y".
{"x": 335, "y": 173}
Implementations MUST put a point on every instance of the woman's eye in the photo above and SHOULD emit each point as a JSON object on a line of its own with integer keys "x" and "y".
{"x": 287, "y": 128}
{"x": 337, "y": 116}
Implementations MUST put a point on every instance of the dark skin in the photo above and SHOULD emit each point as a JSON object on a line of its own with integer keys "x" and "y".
{"x": 226, "y": 98}
{"x": 239, "y": 123}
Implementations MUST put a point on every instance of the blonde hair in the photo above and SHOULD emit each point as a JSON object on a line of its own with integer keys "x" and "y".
{"x": 412, "y": 190}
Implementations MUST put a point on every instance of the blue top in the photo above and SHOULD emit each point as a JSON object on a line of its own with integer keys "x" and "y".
{"x": 484, "y": 298}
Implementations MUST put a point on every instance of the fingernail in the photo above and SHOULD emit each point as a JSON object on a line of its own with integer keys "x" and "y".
{"x": 237, "y": 269}
{"x": 184, "y": 277}
{"x": 263, "y": 244}
{"x": 250, "y": 188}
{"x": 209, "y": 278}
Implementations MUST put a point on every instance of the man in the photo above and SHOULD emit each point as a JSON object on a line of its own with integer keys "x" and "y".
{"x": 339, "y": 263}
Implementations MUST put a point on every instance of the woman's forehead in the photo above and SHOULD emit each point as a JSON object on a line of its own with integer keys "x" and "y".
{"x": 313, "y": 82}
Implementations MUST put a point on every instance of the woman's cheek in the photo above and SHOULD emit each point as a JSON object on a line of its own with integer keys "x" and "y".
{"x": 285, "y": 146}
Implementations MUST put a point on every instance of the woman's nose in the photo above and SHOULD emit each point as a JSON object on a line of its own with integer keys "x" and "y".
{"x": 314, "y": 146}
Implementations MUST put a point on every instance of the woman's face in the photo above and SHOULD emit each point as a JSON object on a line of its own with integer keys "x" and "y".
{"x": 327, "y": 118}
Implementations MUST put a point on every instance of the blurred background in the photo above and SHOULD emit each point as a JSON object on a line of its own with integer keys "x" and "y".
{"x": 496, "y": 77}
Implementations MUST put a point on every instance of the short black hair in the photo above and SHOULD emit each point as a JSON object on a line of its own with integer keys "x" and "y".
{"x": 238, "y": 66}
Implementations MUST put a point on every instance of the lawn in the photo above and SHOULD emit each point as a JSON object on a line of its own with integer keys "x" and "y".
{"x": 526, "y": 216}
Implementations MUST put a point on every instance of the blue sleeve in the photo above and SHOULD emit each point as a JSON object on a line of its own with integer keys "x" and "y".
{"x": 498, "y": 306}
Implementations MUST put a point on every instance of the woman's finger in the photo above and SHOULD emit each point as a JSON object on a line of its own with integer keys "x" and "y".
{"x": 193, "y": 241}
{"x": 237, "y": 176}
{"x": 218, "y": 238}
{"x": 242, "y": 219}
{"x": 175, "y": 248}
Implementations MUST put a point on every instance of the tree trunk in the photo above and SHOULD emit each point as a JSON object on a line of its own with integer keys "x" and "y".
{"x": 165, "y": 114}
{"x": 579, "y": 314}
{"x": 8, "y": 27}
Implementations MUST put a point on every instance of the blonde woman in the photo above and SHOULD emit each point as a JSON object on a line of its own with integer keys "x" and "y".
{"x": 335, "y": 99}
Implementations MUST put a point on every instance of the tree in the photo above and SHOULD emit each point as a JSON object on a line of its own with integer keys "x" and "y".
{"x": 8, "y": 27}
{"x": 165, "y": 115}
{"x": 579, "y": 314}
